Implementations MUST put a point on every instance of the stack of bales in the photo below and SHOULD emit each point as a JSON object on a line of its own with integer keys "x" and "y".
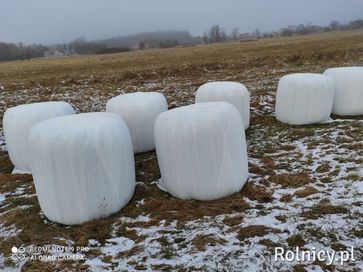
{"x": 306, "y": 98}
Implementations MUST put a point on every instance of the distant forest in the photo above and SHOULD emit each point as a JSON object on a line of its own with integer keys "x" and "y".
{"x": 161, "y": 39}
{"x": 11, "y": 51}
{"x": 158, "y": 39}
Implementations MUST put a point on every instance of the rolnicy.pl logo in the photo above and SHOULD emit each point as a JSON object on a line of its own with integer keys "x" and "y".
{"x": 312, "y": 255}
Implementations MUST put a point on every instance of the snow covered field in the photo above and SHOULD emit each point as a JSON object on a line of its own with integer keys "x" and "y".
{"x": 305, "y": 186}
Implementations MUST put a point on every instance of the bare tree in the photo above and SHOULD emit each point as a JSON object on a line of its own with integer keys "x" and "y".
{"x": 334, "y": 25}
{"x": 224, "y": 36}
{"x": 235, "y": 34}
{"x": 257, "y": 33}
{"x": 205, "y": 38}
{"x": 217, "y": 34}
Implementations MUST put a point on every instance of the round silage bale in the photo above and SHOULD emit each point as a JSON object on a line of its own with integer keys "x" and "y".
{"x": 348, "y": 90}
{"x": 17, "y": 123}
{"x": 201, "y": 151}
{"x": 83, "y": 166}
{"x": 139, "y": 111}
{"x": 304, "y": 99}
{"x": 231, "y": 92}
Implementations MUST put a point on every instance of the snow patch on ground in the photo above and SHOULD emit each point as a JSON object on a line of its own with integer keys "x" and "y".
{"x": 166, "y": 244}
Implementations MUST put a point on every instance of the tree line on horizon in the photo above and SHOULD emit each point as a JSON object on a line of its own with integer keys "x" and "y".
{"x": 20, "y": 51}
{"x": 217, "y": 34}
{"x": 161, "y": 39}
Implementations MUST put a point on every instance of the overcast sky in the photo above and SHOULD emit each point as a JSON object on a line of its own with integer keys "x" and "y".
{"x": 57, "y": 21}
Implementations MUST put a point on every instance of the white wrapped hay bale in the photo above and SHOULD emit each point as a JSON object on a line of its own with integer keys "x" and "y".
{"x": 17, "y": 123}
{"x": 139, "y": 111}
{"x": 348, "y": 90}
{"x": 304, "y": 99}
{"x": 83, "y": 166}
{"x": 231, "y": 92}
{"x": 201, "y": 150}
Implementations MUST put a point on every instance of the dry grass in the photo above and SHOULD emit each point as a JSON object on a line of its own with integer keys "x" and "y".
{"x": 299, "y": 268}
{"x": 174, "y": 209}
{"x": 232, "y": 220}
{"x": 202, "y": 241}
{"x": 257, "y": 192}
{"x": 9, "y": 183}
{"x": 323, "y": 209}
{"x": 296, "y": 240}
{"x": 323, "y": 168}
{"x": 292, "y": 180}
{"x": 306, "y": 192}
{"x": 255, "y": 230}
{"x": 5, "y": 164}
{"x": 286, "y": 198}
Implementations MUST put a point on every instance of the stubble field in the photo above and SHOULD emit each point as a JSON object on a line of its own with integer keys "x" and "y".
{"x": 305, "y": 186}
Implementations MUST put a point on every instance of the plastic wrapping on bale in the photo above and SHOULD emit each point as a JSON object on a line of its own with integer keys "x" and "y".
{"x": 201, "y": 151}
{"x": 231, "y": 92}
{"x": 348, "y": 90}
{"x": 17, "y": 123}
{"x": 83, "y": 166}
{"x": 304, "y": 99}
{"x": 139, "y": 111}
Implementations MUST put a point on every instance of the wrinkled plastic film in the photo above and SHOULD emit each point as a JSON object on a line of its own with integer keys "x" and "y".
{"x": 201, "y": 151}
{"x": 231, "y": 92}
{"x": 83, "y": 166}
{"x": 139, "y": 111}
{"x": 17, "y": 123}
{"x": 348, "y": 88}
{"x": 303, "y": 99}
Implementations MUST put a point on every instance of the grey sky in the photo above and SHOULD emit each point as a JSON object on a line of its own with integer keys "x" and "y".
{"x": 56, "y": 21}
